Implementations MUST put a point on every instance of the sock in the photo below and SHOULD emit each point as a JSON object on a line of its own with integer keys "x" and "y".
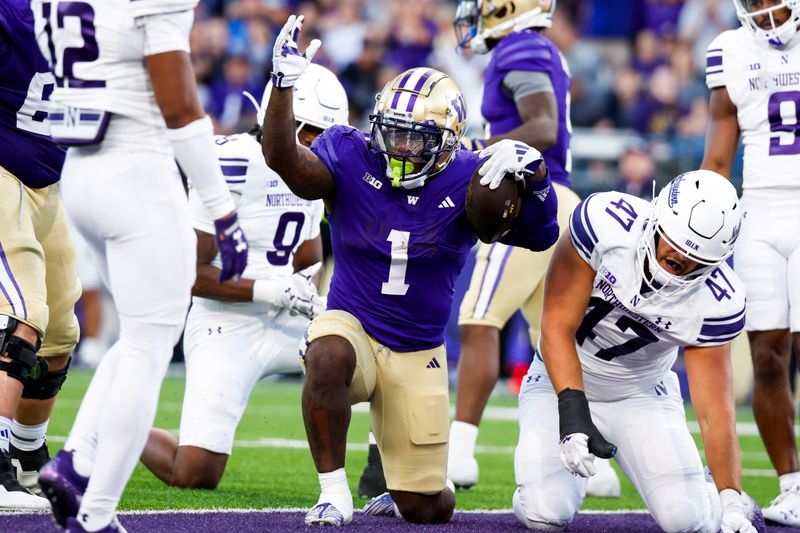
{"x": 463, "y": 437}
{"x": 789, "y": 481}
{"x": 371, "y": 440}
{"x": 334, "y": 489}
{"x": 28, "y": 438}
{"x": 126, "y": 415}
{"x": 82, "y": 440}
{"x": 5, "y": 433}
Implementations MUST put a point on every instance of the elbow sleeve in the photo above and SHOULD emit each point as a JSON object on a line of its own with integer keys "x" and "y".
{"x": 194, "y": 150}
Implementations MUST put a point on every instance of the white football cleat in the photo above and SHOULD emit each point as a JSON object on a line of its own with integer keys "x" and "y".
{"x": 382, "y": 505}
{"x": 785, "y": 509}
{"x": 605, "y": 483}
{"x": 326, "y": 514}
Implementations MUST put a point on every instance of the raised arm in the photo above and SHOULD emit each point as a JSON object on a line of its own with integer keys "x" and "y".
{"x": 304, "y": 172}
{"x": 722, "y": 135}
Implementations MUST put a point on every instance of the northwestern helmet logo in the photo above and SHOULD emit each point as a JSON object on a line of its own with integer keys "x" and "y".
{"x": 674, "y": 189}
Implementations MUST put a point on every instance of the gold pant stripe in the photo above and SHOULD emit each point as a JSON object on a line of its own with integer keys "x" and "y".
{"x": 496, "y": 262}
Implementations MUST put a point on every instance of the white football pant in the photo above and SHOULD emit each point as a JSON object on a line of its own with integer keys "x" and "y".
{"x": 128, "y": 203}
{"x": 655, "y": 451}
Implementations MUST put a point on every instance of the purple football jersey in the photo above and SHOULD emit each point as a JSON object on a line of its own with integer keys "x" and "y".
{"x": 398, "y": 252}
{"x": 25, "y": 82}
{"x": 528, "y": 50}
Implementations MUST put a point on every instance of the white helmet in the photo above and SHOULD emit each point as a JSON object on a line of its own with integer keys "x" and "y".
{"x": 698, "y": 214}
{"x": 318, "y": 99}
{"x": 776, "y": 36}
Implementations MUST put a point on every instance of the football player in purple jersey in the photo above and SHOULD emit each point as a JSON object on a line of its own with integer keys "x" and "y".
{"x": 526, "y": 98}
{"x": 396, "y": 205}
{"x": 38, "y": 281}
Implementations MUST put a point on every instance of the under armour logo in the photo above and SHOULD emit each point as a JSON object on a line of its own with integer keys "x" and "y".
{"x": 664, "y": 324}
{"x": 433, "y": 364}
{"x": 241, "y": 244}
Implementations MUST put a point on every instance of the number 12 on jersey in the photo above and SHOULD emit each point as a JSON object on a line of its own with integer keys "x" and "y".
{"x": 397, "y": 286}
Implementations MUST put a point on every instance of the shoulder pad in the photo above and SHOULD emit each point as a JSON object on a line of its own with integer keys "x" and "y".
{"x": 524, "y": 51}
{"x": 603, "y": 221}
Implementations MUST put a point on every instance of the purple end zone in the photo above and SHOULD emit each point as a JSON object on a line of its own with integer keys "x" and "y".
{"x": 261, "y": 521}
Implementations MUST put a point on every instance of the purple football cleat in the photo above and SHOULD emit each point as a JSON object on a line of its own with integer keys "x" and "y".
{"x": 73, "y": 526}
{"x": 62, "y": 486}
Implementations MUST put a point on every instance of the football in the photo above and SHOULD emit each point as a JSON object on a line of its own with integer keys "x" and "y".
{"x": 491, "y": 212}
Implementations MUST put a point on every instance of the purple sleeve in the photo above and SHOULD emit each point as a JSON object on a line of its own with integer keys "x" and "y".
{"x": 526, "y": 51}
{"x": 536, "y": 227}
{"x": 327, "y": 146}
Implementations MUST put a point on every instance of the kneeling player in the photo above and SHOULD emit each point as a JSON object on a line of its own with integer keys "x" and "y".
{"x": 630, "y": 284}
{"x": 239, "y": 332}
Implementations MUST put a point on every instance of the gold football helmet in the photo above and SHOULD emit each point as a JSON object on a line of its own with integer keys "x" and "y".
{"x": 417, "y": 124}
{"x": 478, "y": 21}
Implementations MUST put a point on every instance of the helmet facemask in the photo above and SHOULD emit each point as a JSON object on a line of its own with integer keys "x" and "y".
{"x": 656, "y": 278}
{"x": 478, "y": 22}
{"x": 412, "y": 151}
{"x": 777, "y": 35}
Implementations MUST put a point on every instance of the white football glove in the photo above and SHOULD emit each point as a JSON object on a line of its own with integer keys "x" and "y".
{"x": 508, "y": 156}
{"x": 287, "y": 61}
{"x": 575, "y": 455}
{"x": 734, "y": 519}
{"x": 297, "y": 293}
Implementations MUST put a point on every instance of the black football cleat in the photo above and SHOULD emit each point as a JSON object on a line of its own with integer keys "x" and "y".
{"x": 14, "y": 496}
{"x": 372, "y": 482}
{"x": 27, "y": 465}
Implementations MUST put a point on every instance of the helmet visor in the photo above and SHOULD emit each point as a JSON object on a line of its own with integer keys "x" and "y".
{"x": 411, "y": 149}
{"x": 466, "y": 22}
{"x": 413, "y": 141}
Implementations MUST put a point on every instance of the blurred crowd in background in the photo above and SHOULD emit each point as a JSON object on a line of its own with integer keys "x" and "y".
{"x": 639, "y": 104}
{"x": 639, "y": 101}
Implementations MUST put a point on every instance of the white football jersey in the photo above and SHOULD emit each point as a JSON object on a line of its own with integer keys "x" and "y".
{"x": 626, "y": 343}
{"x": 764, "y": 84}
{"x": 275, "y": 221}
{"x": 97, "y": 49}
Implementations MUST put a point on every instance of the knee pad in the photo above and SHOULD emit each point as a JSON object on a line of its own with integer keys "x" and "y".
{"x": 532, "y": 520}
{"x": 696, "y": 516}
{"x": 46, "y": 384}
{"x": 21, "y": 352}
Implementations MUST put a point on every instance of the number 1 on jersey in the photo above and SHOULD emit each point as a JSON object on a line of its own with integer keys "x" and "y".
{"x": 397, "y": 286}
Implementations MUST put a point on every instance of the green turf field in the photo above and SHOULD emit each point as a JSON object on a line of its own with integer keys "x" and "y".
{"x": 271, "y": 467}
